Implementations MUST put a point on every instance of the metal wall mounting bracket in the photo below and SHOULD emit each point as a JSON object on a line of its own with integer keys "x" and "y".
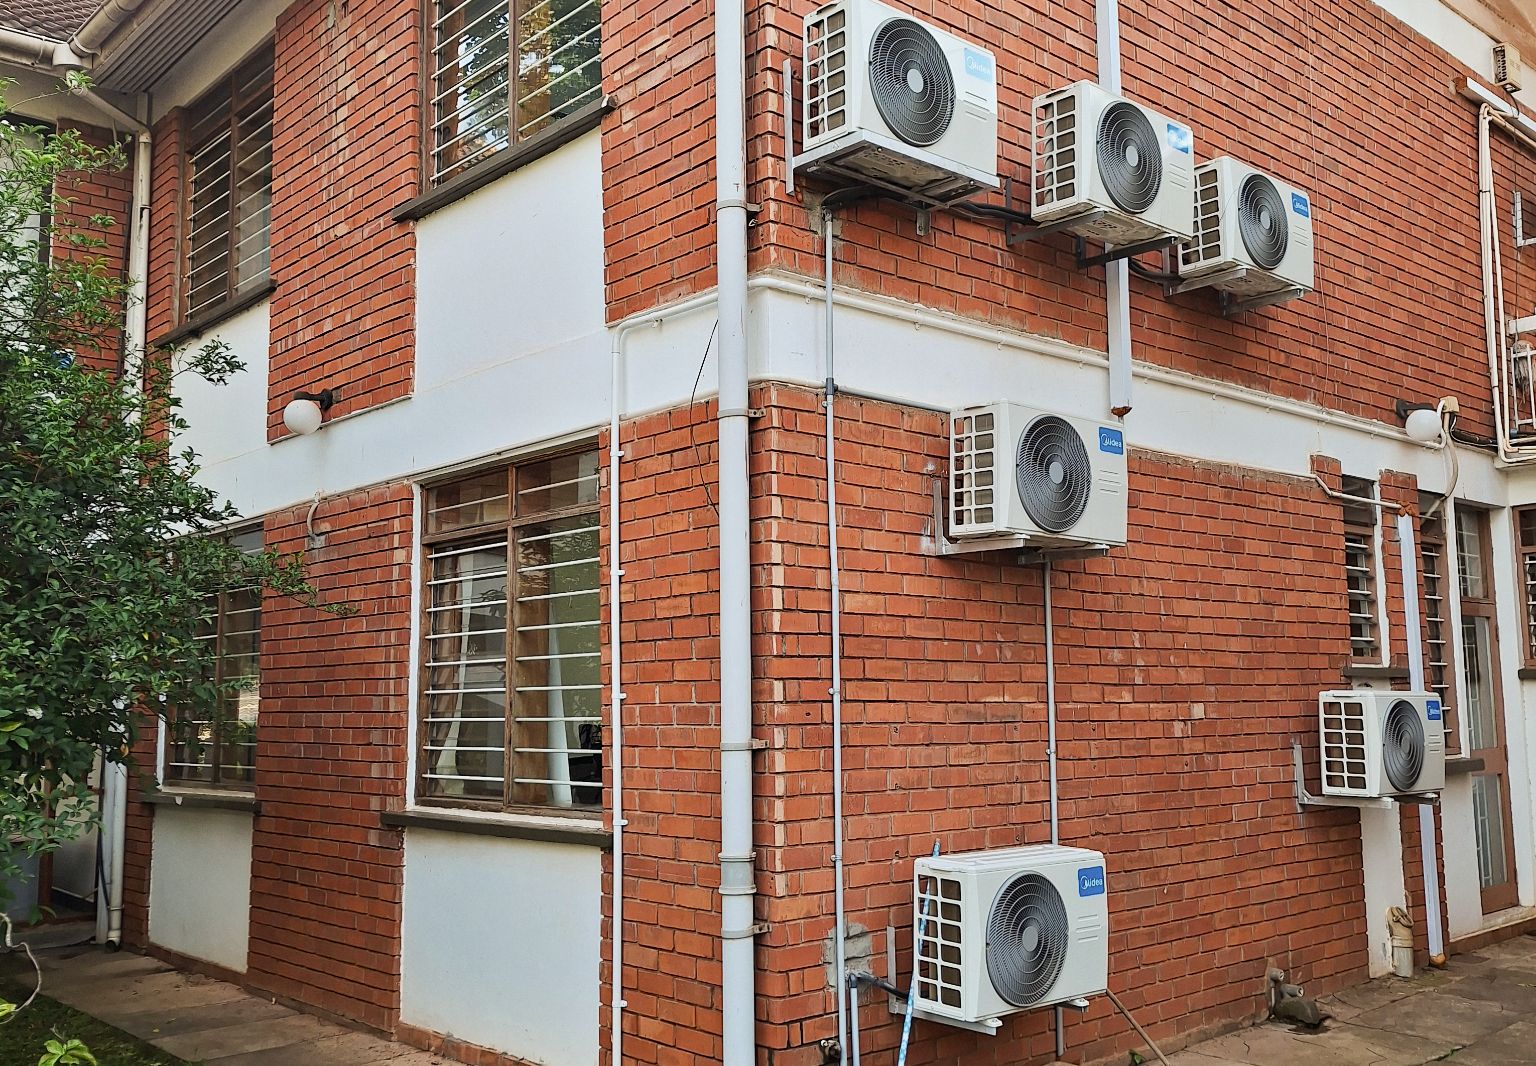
{"x": 1306, "y": 799}
{"x": 898, "y": 1006}
{"x": 1220, "y": 277}
{"x": 1045, "y": 229}
{"x": 1030, "y": 554}
{"x": 1229, "y": 306}
{"x": 1121, "y": 251}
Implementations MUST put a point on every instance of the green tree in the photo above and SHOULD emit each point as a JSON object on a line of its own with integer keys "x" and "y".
{"x": 108, "y": 552}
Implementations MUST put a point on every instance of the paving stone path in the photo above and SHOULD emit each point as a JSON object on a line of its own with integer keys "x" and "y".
{"x": 1481, "y": 1011}
{"x": 203, "y": 1020}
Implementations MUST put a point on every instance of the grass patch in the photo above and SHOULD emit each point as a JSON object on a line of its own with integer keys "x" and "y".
{"x": 23, "y": 1037}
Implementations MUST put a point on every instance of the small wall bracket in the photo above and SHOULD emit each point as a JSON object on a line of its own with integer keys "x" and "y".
{"x": 898, "y": 1006}
{"x": 1231, "y": 306}
{"x": 1045, "y": 229}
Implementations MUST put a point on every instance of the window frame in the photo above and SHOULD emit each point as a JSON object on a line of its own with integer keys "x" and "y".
{"x": 224, "y": 95}
{"x": 438, "y": 189}
{"x": 1525, "y": 562}
{"x": 218, "y": 714}
{"x": 509, "y": 526}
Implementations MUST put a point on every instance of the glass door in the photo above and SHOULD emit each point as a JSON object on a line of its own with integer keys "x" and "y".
{"x": 1484, "y": 714}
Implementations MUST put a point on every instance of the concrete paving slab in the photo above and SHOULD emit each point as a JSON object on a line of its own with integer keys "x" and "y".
{"x": 214, "y": 1045}
{"x": 1442, "y": 1017}
{"x": 1507, "y": 1047}
{"x": 108, "y": 999}
{"x": 1344, "y": 1045}
{"x": 354, "y": 1049}
{"x": 167, "y": 1021}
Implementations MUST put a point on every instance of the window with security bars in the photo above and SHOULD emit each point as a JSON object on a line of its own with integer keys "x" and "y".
{"x": 216, "y": 745}
{"x": 505, "y": 71}
{"x": 1360, "y": 570}
{"x": 225, "y": 237}
{"x": 511, "y": 687}
{"x": 1439, "y": 648}
{"x": 1525, "y": 525}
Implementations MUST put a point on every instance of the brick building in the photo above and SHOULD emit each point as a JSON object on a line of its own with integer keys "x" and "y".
{"x": 474, "y": 270}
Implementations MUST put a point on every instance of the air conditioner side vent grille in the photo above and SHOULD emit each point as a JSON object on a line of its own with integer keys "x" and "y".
{"x": 1057, "y": 153}
{"x": 939, "y": 955}
{"x": 826, "y": 71}
{"x": 974, "y": 484}
{"x": 1206, "y": 247}
{"x": 1345, "y": 752}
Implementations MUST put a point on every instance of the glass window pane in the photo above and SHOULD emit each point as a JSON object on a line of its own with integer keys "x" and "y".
{"x": 557, "y": 706}
{"x": 1476, "y": 665}
{"x": 475, "y": 501}
{"x": 558, "y": 482}
{"x": 1469, "y": 554}
{"x": 470, "y": 96}
{"x": 1488, "y": 822}
{"x": 557, "y": 63}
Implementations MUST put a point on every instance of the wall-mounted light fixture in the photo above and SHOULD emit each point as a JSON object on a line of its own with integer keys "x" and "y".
{"x": 306, "y": 410}
{"x": 1427, "y": 423}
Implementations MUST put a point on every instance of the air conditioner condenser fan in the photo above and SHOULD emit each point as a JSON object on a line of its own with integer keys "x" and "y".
{"x": 913, "y": 87}
{"x": 1402, "y": 745}
{"x": 1027, "y": 937}
{"x": 1130, "y": 157}
{"x": 1055, "y": 476}
{"x": 1261, "y": 220}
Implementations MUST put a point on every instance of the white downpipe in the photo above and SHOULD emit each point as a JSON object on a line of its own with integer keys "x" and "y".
{"x": 114, "y": 777}
{"x": 839, "y": 919}
{"x": 1413, "y": 640}
{"x": 1117, "y": 277}
{"x": 1493, "y": 319}
{"x": 1408, "y": 549}
{"x": 615, "y": 647}
{"x": 1050, "y": 753}
{"x": 738, "y": 993}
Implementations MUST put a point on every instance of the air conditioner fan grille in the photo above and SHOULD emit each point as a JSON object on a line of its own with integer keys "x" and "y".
{"x": 1055, "y": 476}
{"x": 1027, "y": 934}
{"x": 1261, "y": 221}
{"x": 913, "y": 87}
{"x": 1402, "y": 745}
{"x": 1130, "y": 157}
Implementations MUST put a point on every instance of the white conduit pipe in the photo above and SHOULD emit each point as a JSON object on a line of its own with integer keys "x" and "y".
{"x": 1413, "y": 638}
{"x": 839, "y": 944}
{"x": 114, "y": 782}
{"x": 1117, "y": 277}
{"x": 615, "y": 658}
{"x": 1050, "y": 753}
{"x": 1493, "y": 319}
{"x": 738, "y": 934}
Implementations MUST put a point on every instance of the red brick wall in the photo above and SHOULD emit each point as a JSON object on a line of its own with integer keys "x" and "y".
{"x": 345, "y": 152}
{"x": 1186, "y": 664}
{"x": 326, "y": 877}
{"x": 1395, "y": 313}
{"x": 107, "y": 192}
{"x": 162, "y": 286}
{"x": 670, "y": 612}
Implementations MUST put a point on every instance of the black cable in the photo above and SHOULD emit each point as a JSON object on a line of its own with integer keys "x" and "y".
{"x": 697, "y": 455}
{"x": 1150, "y": 275}
{"x": 1475, "y": 440}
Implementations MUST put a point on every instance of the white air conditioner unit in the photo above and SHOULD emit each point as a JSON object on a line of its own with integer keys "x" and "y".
{"x": 1247, "y": 219}
{"x": 1017, "y": 471}
{"x": 1125, "y": 171}
{"x": 1380, "y": 743}
{"x": 1008, "y": 930}
{"x": 897, "y": 102}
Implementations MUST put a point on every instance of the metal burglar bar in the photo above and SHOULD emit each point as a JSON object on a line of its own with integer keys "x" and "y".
{"x": 506, "y": 70}
{"x": 229, "y": 189}
{"x": 1360, "y": 570}
{"x": 514, "y": 553}
{"x": 217, "y": 745}
{"x": 1438, "y": 662}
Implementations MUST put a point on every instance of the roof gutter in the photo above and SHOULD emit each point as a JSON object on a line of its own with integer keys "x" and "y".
{"x": 99, "y": 28}
{"x": 44, "y": 53}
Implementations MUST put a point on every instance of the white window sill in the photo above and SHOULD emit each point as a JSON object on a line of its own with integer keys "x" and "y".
{"x": 520, "y": 826}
